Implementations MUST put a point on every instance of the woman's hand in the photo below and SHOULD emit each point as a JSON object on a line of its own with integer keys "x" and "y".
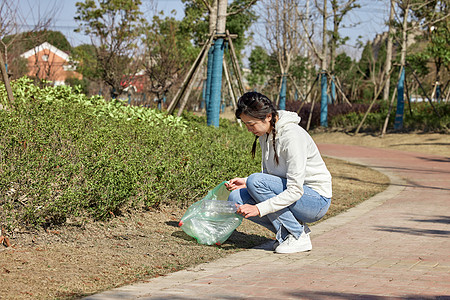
{"x": 235, "y": 184}
{"x": 247, "y": 210}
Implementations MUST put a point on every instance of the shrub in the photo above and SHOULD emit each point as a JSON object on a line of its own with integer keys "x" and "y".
{"x": 423, "y": 117}
{"x": 335, "y": 113}
{"x": 65, "y": 155}
{"x": 420, "y": 116}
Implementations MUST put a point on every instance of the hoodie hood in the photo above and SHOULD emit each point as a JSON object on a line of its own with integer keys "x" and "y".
{"x": 286, "y": 117}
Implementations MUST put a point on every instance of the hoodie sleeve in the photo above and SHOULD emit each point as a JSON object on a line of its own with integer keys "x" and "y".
{"x": 294, "y": 154}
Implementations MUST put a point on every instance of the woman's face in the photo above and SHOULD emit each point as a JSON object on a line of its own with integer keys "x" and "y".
{"x": 257, "y": 126}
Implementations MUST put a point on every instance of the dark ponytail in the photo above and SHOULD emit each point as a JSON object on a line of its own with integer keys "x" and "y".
{"x": 254, "y": 146}
{"x": 256, "y": 105}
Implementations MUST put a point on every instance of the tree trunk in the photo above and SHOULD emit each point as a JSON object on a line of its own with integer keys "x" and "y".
{"x": 282, "y": 103}
{"x": 324, "y": 97}
{"x": 386, "y": 120}
{"x": 213, "y": 114}
{"x": 388, "y": 62}
{"x": 324, "y": 37}
{"x": 311, "y": 112}
{"x": 212, "y": 30}
{"x": 398, "y": 124}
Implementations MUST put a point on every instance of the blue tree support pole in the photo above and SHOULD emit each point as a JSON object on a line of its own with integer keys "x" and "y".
{"x": 438, "y": 92}
{"x": 398, "y": 123}
{"x": 213, "y": 114}
{"x": 208, "y": 78}
{"x": 282, "y": 104}
{"x": 324, "y": 101}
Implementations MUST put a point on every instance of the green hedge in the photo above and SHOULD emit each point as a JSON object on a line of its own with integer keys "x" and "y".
{"x": 420, "y": 116}
{"x": 65, "y": 155}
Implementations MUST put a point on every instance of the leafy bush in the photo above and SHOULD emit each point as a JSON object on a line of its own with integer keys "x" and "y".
{"x": 421, "y": 116}
{"x": 65, "y": 155}
{"x": 334, "y": 113}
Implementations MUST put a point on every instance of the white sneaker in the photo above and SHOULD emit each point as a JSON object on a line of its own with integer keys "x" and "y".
{"x": 293, "y": 245}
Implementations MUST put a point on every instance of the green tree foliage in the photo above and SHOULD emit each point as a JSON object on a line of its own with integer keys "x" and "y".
{"x": 370, "y": 69}
{"x": 195, "y": 24}
{"x": 265, "y": 70}
{"x": 261, "y": 66}
{"x": 240, "y": 23}
{"x": 438, "y": 48}
{"x": 347, "y": 73}
{"x": 419, "y": 62}
{"x": 299, "y": 68}
{"x": 344, "y": 65}
{"x": 434, "y": 18}
{"x": 339, "y": 10}
{"x": 114, "y": 27}
{"x": 86, "y": 60}
{"x": 369, "y": 61}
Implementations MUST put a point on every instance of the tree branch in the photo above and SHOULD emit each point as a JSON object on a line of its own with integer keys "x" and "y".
{"x": 241, "y": 8}
{"x": 207, "y": 5}
{"x": 309, "y": 41}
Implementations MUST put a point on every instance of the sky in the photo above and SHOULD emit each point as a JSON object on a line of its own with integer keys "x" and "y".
{"x": 370, "y": 18}
{"x": 64, "y": 11}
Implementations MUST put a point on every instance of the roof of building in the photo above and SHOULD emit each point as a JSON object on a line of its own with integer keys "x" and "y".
{"x": 44, "y": 46}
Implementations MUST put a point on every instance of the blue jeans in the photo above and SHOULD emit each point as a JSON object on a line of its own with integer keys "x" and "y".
{"x": 309, "y": 208}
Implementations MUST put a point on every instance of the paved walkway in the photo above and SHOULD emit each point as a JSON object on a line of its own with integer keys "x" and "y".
{"x": 396, "y": 245}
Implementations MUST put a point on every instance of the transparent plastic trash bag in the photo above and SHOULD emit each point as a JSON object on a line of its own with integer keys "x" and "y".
{"x": 213, "y": 219}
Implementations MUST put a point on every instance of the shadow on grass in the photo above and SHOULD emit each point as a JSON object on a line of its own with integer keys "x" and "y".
{"x": 360, "y": 180}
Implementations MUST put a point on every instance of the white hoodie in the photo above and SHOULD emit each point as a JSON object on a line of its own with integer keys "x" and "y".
{"x": 299, "y": 162}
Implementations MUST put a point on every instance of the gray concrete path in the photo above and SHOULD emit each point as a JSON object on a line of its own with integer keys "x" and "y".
{"x": 395, "y": 245}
